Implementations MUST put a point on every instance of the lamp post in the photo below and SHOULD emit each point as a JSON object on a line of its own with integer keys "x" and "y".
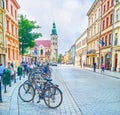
{"x": 111, "y": 48}
{"x": 0, "y": 91}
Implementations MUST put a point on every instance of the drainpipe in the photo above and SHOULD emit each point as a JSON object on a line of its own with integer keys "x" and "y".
{"x": 111, "y": 48}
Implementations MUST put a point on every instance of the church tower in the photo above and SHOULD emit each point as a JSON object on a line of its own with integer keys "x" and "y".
{"x": 54, "y": 44}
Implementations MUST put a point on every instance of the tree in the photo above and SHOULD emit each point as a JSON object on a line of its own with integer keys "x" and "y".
{"x": 26, "y": 34}
{"x": 59, "y": 58}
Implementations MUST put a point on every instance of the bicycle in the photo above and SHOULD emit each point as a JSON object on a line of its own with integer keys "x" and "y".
{"x": 47, "y": 92}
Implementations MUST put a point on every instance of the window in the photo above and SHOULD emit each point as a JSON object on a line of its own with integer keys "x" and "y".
{"x": 7, "y": 5}
{"x": 94, "y": 30}
{"x": 8, "y": 53}
{"x": 104, "y": 9}
{"x": 110, "y": 38}
{"x": 105, "y": 40}
{"x": 12, "y": 10}
{"x": 107, "y": 20}
{"x": 2, "y": 3}
{"x": 12, "y": 29}
{"x": 17, "y": 55}
{"x": 116, "y": 39}
{"x": 15, "y": 14}
{"x": 16, "y": 32}
{"x": 103, "y": 24}
{"x": 111, "y": 2}
{"x": 108, "y": 5}
{"x": 7, "y": 25}
{"x": 117, "y": 14}
{"x": 111, "y": 18}
{"x": 13, "y": 55}
{"x": 41, "y": 52}
{"x": 1, "y": 19}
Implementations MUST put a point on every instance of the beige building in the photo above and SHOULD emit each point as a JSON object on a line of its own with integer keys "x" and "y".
{"x": 116, "y": 38}
{"x": 80, "y": 55}
{"x": 94, "y": 28}
{"x": 3, "y": 49}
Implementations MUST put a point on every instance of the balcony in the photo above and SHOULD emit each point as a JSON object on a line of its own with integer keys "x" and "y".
{"x": 91, "y": 51}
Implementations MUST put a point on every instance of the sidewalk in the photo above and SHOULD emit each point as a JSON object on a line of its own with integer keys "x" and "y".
{"x": 106, "y": 72}
{"x": 9, "y": 105}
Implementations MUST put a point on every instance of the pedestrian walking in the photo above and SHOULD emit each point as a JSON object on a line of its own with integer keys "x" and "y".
{"x": 12, "y": 64}
{"x": 102, "y": 67}
{"x": 1, "y": 70}
{"x": 12, "y": 72}
{"x": 84, "y": 65}
{"x": 94, "y": 67}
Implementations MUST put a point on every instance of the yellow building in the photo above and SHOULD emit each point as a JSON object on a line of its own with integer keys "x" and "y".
{"x": 12, "y": 31}
{"x": 2, "y": 34}
{"x": 116, "y": 38}
{"x": 80, "y": 57}
{"x": 69, "y": 56}
{"x": 94, "y": 22}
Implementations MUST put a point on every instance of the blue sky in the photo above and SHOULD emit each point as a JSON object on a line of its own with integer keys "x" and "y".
{"x": 70, "y": 17}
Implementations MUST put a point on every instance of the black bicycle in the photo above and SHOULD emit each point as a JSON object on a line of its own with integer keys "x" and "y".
{"x": 50, "y": 93}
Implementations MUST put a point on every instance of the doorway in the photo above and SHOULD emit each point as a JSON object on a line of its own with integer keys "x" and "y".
{"x": 115, "y": 61}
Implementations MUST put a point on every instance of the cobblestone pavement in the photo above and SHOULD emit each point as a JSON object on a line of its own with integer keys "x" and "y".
{"x": 95, "y": 94}
{"x": 84, "y": 93}
{"x": 68, "y": 107}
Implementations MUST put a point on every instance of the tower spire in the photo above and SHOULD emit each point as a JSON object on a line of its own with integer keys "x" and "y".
{"x": 54, "y": 31}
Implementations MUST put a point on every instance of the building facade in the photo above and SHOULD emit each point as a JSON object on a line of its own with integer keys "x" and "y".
{"x": 116, "y": 38}
{"x": 94, "y": 28}
{"x": 106, "y": 33}
{"x": 54, "y": 44}
{"x": 2, "y": 34}
{"x": 12, "y": 31}
{"x": 72, "y": 57}
{"x": 41, "y": 51}
{"x": 80, "y": 55}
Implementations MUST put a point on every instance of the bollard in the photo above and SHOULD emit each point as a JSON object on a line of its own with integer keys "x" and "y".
{"x": 19, "y": 72}
{"x": 0, "y": 91}
{"x": 5, "y": 90}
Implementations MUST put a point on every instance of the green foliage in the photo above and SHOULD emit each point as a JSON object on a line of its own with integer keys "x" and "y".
{"x": 26, "y": 34}
{"x": 59, "y": 58}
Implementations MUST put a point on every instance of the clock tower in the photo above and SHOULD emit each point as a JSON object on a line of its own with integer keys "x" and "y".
{"x": 54, "y": 44}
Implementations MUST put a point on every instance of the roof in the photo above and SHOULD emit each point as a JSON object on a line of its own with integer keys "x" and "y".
{"x": 45, "y": 43}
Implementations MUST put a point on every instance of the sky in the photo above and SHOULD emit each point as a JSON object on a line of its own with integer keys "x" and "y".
{"x": 70, "y": 17}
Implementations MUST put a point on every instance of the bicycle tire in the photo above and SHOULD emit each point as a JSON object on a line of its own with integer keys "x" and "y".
{"x": 26, "y": 94}
{"x": 50, "y": 93}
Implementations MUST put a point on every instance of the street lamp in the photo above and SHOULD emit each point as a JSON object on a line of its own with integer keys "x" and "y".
{"x": 99, "y": 65}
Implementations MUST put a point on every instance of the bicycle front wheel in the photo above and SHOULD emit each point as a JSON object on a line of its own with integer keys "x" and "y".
{"x": 53, "y": 97}
{"x": 26, "y": 92}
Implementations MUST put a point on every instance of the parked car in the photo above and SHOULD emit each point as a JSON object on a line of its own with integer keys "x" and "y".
{"x": 54, "y": 64}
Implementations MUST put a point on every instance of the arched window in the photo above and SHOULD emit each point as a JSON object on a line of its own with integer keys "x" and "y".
{"x": 2, "y": 3}
{"x": 41, "y": 52}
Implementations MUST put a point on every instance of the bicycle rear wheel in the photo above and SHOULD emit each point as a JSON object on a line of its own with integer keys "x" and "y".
{"x": 26, "y": 92}
{"x": 53, "y": 97}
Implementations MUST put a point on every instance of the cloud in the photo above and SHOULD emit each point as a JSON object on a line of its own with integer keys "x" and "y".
{"x": 69, "y": 16}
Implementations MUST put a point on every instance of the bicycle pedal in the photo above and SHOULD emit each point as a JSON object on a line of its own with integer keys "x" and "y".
{"x": 38, "y": 101}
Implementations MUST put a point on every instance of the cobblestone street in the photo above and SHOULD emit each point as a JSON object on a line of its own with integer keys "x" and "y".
{"x": 84, "y": 93}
